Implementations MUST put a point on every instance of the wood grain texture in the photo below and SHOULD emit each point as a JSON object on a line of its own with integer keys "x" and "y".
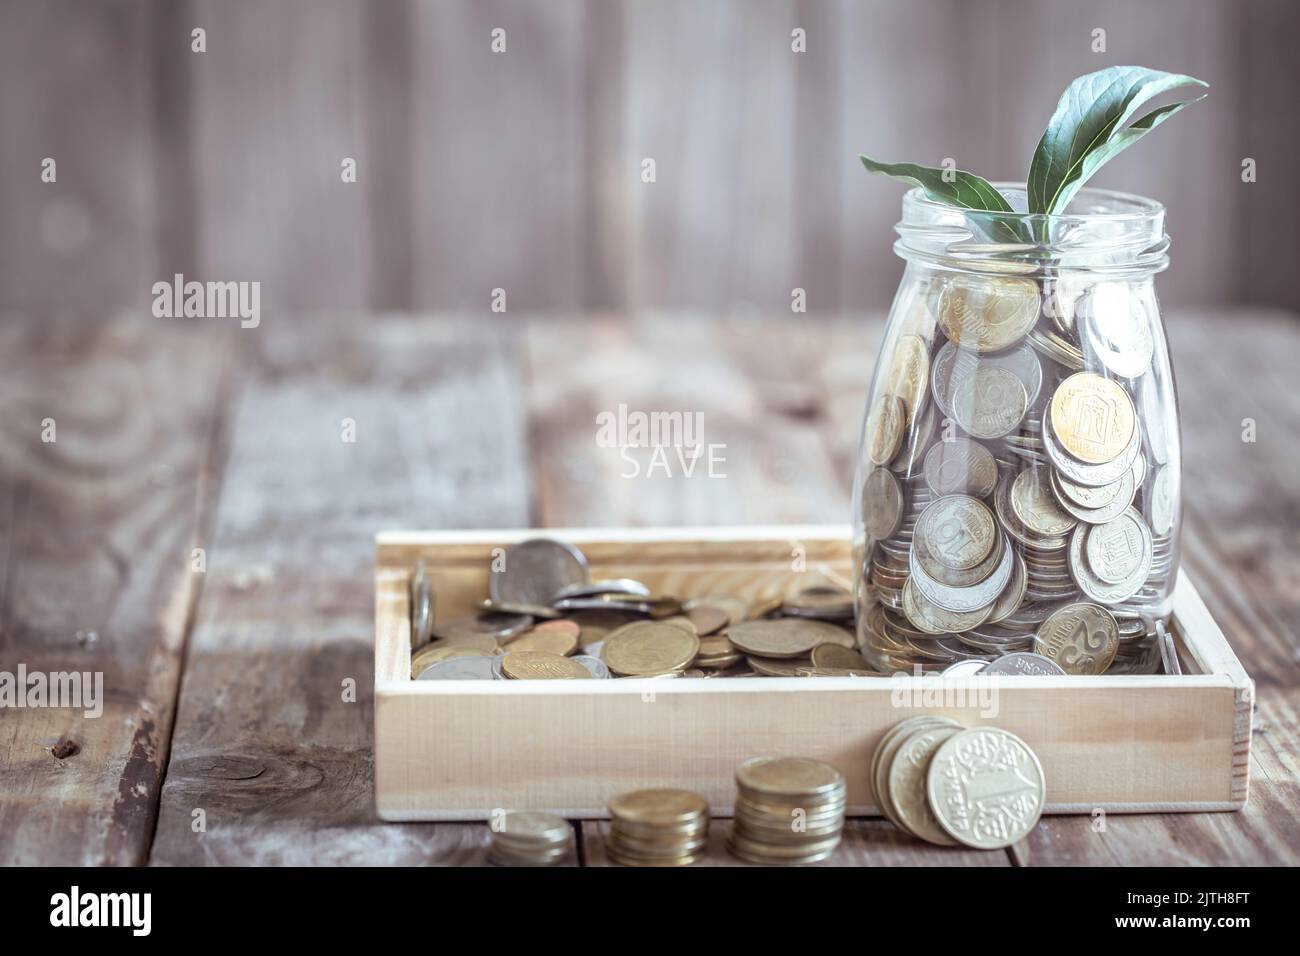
{"x": 265, "y": 742}
{"x": 96, "y": 532}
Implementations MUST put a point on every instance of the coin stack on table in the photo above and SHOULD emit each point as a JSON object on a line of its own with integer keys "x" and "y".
{"x": 1013, "y": 499}
{"x": 529, "y": 838}
{"x": 658, "y": 828}
{"x": 547, "y": 619}
{"x": 982, "y": 787}
{"x": 789, "y": 810}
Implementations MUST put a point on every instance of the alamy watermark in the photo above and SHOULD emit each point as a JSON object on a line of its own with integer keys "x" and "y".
{"x": 667, "y": 443}
{"x": 78, "y": 690}
{"x": 930, "y": 691}
{"x": 208, "y": 300}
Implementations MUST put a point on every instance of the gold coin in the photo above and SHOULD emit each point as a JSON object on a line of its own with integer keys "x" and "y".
{"x": 716, "y": 646}
{"x": 554, "y": 637}
{"x": 1082, "y": 638}
{"x": 659, "y": 807}
{"x": 838, "y": 658}
{"x": 788, "y": 776}
{"x": 542, "y": 665}
{"x": 1092, "y": 417}
{"x": 885, "y": 427}
{"x": 909, "y": 373}
{"x": 783, "y": 637}
{"x": 986, "y": 313}
{"x": 432, "y": 654}
{"x": 707, "y": 618}
{"x": 645, "y": 648}
{"x": 773, "y": 667}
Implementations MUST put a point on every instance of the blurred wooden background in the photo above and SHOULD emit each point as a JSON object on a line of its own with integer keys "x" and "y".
{"x": 522, "y": 170}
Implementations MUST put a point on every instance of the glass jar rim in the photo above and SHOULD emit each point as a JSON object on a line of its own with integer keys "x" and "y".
{"x": 1103, "y": 232}
{"x": 1138, "y": 208}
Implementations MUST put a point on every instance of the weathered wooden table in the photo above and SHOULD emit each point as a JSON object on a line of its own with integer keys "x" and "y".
{"x": 226, "y": 736}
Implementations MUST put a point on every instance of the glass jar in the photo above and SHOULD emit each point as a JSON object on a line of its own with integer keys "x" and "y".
{"x": 1018, "y": 480}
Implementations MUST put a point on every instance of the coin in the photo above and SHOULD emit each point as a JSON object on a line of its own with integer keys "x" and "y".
{"x": 1024, "y": 664}
{"x": 986, "y": 788}
{"x": 459, "y": 668}
{"x": 1082, "y": 638}
{"x": 958, "y": 529}
{"x": 960, "y": 466}
{"x": 907, "y": 778}
{"x": 1036, "y": 506}
{"x": 1090, "y": 475}
{"x": 788, "y": 777}
{"x": 1012, "y": 595}
{"x": 782, "y": 637}
{"x": 1117, "y": 549}
{"x": 431, "y": 654}
{"x": 986, "y": 313}
{"x": 834, "y": 656}
{"x": 595, "y": 666}
{"x": 968, "y": 668}
{"x": 1082, "y": 496}
{"x": 885, "y": 427}
{"x": 489, "y": 606}
{"x": 932, "y": 619}
{"x": 1164, "y": 495}
{"x": 909, "y": 373}
{"x": 736, "y": 608}
{"x": 1124, "y": 489}
{"x": 500, "y": 627}
{"x": 1118, "y": 329}
{"x": 1092, "y": 417}
{"x": 534, "y": 571}
{"x": 707, "y": 618}
{"x": 624, "y": 586}
{"x": 1094, "y": 587}
{"x": 557, "y": 637}
{"x": 542, "y": 665}
{"x": 645, "y": 648}
{"x": 1021, "y": 361}
{"x": 530, "y": 838}
{"x": 824, "y": 602}
{"x": 882, "y": 504}
{"x": 990, "y": 404}
{"x": 422, "y": 610}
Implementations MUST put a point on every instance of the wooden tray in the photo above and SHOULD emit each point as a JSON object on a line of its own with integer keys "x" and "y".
{"x": 458, "y": 750}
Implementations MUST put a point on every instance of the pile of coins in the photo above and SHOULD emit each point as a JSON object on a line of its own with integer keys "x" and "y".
{"x": 789, "y": 810}
{"x": 528, "y": 838}
{"x": 546, "y": 619}
{"x": 1013, "y": 499}
{"x": 980, "y": 787}
{"x": 658, "y": 828}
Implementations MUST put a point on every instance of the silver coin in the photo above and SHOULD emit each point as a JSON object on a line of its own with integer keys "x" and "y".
{"x": 1091, "y": 585}
{"x": 960, "y": 466}
{"x": 534, "y": 571}
{"x": 422, "y": 609}
{"x": 915, "y": 442}
{"x": 1117, "y": 328}
{"x": 1116, "y": 550}
{"x": 595, "y": 665}
{"x": 595, "y": 648}
{"x": 1012, "y": 594}
{"x": 459, "y": 668}
{"x": 990, "y": 403}
{"x": 962, "y": 600}
{"x": 1164, "y": 498}
{"x": 882, "y": 504}
{"x": 1124, "y": 489}
{"x": 1024, "y": 664}
{"x": 1019, "y": 361}
{"x": 610, "y": 586}
{"x": 965, "y": 668}
{"x": 1085, "y": 496}
{"x": 497, "y": 672}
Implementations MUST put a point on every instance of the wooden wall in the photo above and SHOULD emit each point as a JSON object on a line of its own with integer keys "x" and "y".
{"x": 522, "y": 170}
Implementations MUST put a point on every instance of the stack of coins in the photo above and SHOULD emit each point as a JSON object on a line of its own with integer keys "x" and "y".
{"x": 982, "y": 787}
{"x": 527, "y": 838}
{"x": 788, "y": 810}
{"x": 1051, "y": 482}
{"x": 658, "y": 828}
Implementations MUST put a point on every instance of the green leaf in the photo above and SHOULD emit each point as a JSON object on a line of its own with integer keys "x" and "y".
{"x": 1088, "y": 129}
{"x": 965, "y": 190}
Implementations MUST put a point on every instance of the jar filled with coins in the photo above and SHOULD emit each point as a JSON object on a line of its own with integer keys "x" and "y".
{"x": 1018, "y": 482}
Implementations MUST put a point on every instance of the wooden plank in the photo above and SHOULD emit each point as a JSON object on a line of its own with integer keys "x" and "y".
{"x": 75, "y": 86}
{"x": 284, "y": 83}
{"x": 498, "y": 148}
{"x": 265, "y": 743}
{"x": 865, "y": 843}
{"x": 96, "y": 530}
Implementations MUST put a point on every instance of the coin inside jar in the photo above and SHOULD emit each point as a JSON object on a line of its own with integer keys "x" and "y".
{"x": 885, "y": 427}
{"x": 988, "y": 313}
